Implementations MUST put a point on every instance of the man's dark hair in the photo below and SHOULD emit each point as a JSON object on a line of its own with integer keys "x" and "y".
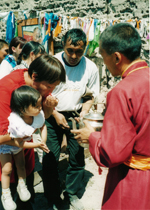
{"x": 75, "y": 35}
{"x": 2, "y": 43}
{"x": 47, "y": 68}
{"x": 123, "y": 38}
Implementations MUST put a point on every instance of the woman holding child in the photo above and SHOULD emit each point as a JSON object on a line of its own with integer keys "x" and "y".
{"x": 44, "y": 74}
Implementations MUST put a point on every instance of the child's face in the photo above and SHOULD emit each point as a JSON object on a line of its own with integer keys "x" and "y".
{"x": 16, "y": 50}
{"x": 34, "y": 110}
{"x": 3, "y": 52}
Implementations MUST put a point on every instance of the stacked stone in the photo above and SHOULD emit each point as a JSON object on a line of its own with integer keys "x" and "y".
{"x": 96, "y": 9}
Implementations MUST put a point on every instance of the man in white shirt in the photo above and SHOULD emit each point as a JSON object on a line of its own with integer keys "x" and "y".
{"x": 80, "y": 74}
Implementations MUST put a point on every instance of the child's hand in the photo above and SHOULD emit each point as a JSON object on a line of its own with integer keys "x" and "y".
{"x": 51, "y": 101}
{"x": 43, "y": 147}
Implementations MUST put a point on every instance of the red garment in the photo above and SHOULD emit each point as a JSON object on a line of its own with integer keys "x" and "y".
{"x": 126, "y": 130}
{"x": 7, "y": 85}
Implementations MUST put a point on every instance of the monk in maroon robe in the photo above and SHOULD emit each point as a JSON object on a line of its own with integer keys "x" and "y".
{"x": 123, "y": 145}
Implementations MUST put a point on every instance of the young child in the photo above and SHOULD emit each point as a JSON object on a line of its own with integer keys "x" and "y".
{"x": 25, "y": 118}
{"x": 10, "y": 61}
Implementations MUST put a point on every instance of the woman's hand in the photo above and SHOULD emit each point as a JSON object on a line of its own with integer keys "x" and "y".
{"x": 48, "y": 105}
{"x": 51, "y": 101}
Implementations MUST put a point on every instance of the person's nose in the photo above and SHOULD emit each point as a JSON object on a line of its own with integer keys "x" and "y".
{"x": 49, "y": 90}
{"x": 52, "y": 89}
{"x": 74, "y": 55}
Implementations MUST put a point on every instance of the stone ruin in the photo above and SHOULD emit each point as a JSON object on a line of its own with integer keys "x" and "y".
{"x": 96, "y": 9}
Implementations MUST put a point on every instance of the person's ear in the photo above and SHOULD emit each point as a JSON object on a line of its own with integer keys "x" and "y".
{"x": 118, "y": 57}
{"x": 32, "y": 56}
{"x": 34, "y": 76}
{"x": 62, "y": 42}
{"x": 13, "y": 49}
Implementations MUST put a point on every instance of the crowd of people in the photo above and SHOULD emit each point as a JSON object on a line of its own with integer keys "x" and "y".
{"x": 39, "y": 94}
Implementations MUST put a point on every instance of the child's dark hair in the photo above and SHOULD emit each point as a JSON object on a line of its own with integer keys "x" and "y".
{"x": 29, "y": 47}
{"x": 22, "y": 98}
{"x": 15, "y": 42}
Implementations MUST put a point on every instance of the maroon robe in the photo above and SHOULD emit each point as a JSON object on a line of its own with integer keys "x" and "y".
{"x": 126, "y": 131}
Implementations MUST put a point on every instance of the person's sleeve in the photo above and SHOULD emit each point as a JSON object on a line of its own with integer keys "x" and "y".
{"x": 94, "y": 83}
{"x": 18, "y": 128}
{"x": 4, "y": 111}
{"x": 5, "y": 69}
{"x": 114, "y": 144}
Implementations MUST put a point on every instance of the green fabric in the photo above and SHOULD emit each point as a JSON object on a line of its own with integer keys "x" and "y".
{"x": 16, "y": 29}
{"x": 95, "y": 42}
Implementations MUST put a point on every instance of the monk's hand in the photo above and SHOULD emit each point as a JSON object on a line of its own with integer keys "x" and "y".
{"x": 51, "y": 101}
{"x": 82, "y": 135}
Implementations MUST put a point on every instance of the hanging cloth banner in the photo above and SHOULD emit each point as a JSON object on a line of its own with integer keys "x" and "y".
{"x": 50, "y": 23}
{"x": 25, "y": 15}
{"x": 16, "y": 29}
{"x": 10, "y": 29}
{"x": 91, "y": 31}
{"x": 4, "y": 16}
{"x": 58, "y": 28}
{"x": 95, "y": 42}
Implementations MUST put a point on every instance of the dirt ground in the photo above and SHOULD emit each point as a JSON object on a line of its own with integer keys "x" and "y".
{"x": 91, "y": 192}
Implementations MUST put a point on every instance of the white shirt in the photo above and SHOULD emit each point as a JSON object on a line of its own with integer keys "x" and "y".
{"x": 78, "y": 77}
{"x": 22, "y": 65}
{"x": 18, "y": 128}
{"x": 5, "y": 69}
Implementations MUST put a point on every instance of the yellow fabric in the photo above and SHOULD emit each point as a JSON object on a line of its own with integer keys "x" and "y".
{"x": 144, "y": 67}
{"x": 130, "y": 65}
{"x": 138, "y": 23}
{"x": 138, "y": 162}
{"x": 57, "y": 29}
{"x": 49, "y": 28}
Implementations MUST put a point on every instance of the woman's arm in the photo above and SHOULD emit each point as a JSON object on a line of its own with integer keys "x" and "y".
{"x": 48, "y": 105}
{"x": 47, "y": 111}
{"x": 6, "y": 139}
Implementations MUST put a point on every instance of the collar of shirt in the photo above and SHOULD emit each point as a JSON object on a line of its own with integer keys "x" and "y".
{"x": 66, "y": 61}
{"x": 135, "y": 66}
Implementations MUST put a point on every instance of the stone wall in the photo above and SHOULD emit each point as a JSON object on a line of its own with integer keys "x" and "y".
{"x": 96, "y": 9}
{"x": 89, "y": 8}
